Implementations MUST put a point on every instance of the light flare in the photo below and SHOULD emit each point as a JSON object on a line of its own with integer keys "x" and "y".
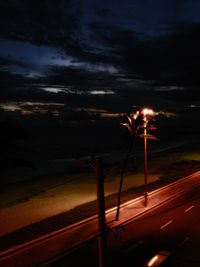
{"x": 152, "y": 261}
{"x": 147, "y": 111}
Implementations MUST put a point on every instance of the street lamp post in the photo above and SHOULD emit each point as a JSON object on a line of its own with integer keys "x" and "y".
{"x": 147, "y": 113}
{"x": 145, "y": 163}
{"x": 136, "y": 122}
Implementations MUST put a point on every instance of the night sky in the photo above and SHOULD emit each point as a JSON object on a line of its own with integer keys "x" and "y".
{"x": 70, "y": 73}
{"x": 146, "y": 51}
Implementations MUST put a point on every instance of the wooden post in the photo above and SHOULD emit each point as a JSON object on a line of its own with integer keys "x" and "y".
{"x": 102, "y": 240}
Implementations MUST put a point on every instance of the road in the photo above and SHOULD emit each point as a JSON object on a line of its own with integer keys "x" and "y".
{"x": 173, "y": 227}
{"x": 168, "y": 227}
{"x": 166, "y": 223}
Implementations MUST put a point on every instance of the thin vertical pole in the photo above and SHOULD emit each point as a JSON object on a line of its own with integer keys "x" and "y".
{"x": 102, "y": 240}
{"x": 145, "y": 164}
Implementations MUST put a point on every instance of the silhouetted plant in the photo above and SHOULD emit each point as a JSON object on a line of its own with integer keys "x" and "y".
{"x": 133, "y": 124}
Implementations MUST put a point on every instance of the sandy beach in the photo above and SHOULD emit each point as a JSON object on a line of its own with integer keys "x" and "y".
{"x": 30, "y": 205}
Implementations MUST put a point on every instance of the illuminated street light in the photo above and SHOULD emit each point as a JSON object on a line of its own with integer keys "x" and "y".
{"x": 147, "y": 112}
{"x": 135, "y": 122}
{"x": 147, "y": 115}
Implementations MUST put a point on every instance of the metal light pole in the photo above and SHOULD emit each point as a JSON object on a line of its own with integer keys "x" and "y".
{"x": 137, "y": 121}
{"x": 146, "y": 114}
{"x": 145, "y": 162}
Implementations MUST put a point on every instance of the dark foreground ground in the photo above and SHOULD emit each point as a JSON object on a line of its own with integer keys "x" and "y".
{"x": 169, "y": 174}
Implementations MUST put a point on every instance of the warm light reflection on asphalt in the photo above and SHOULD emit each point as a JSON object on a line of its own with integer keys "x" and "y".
{"x": 191, "y": 207}
{"x": 153, "y": 260}
{"x": 166, "y": 224}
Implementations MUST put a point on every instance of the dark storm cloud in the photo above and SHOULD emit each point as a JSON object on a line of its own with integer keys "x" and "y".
{"x": 12, "y": 61}
{"x": 91, "y": 42}
{"x": 39, "y": 22}
{"x": 47, "y": 23}
{"x": 174, "y": 57}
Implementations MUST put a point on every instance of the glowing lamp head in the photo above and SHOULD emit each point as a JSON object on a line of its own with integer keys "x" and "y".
{"x": 147, "y": 111}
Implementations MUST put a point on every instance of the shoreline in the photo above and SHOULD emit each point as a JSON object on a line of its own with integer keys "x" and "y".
{"x": 35, "y": 206}
{"x": 67, "y": 218}
{"x": 83, "y": 211}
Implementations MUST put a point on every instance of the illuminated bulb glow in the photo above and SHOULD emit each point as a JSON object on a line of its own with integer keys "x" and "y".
{"x": 152, "y": 261}
{"x": 147, "y": 111}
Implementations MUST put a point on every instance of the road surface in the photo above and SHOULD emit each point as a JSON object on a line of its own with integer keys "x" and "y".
{"x": 141, "y": 232}
{"x": 174, "y": 227}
